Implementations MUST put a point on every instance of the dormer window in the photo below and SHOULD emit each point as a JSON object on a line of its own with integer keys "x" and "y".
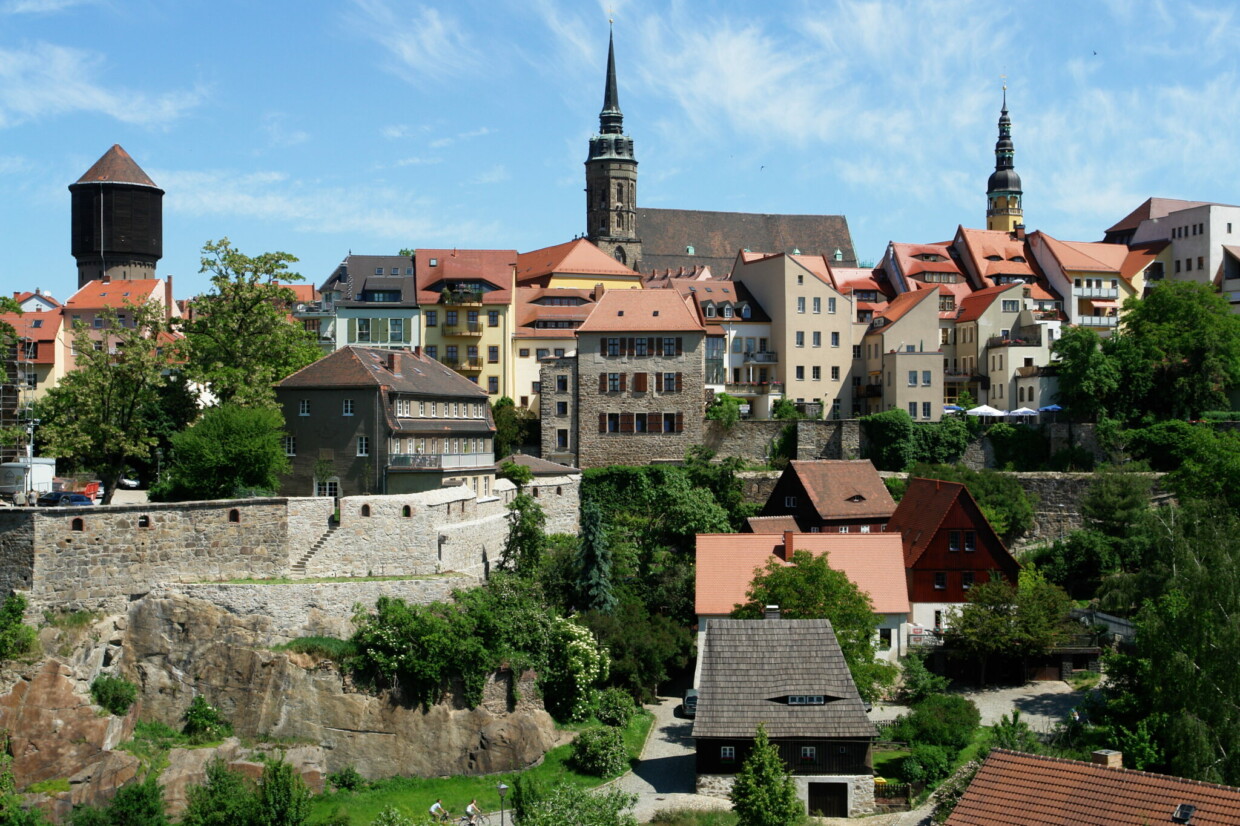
{"x": 745, "y": 312}
{"x": 710, "y": 312}
{"x": 856, "y": 497}
{"x": 727, "y": 312}
{"x": 806, "y": 700}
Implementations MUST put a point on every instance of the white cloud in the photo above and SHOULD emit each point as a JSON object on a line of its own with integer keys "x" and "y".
{"x": 427, "y": 44}
{"x": 41, "y": 6}
{"x": 45, "y": 80}
{"x": 496, "y": 174}
{"x": 278, "y": 134}
{"x": 274, "y": 196}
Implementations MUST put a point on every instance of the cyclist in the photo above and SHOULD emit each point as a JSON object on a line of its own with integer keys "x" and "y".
{"x": 473, "y": 812}
{"x": 438, "y": 812}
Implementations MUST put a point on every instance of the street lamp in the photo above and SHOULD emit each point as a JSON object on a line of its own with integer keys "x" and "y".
{"x": 502, "y": 789}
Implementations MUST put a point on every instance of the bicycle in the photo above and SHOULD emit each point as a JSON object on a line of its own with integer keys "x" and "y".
{"x": 483, "y": 819}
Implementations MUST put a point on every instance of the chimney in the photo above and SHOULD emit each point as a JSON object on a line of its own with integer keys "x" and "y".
{"x": 168, "y": 302}
{"x": 1019, "y": 232}
{"x": 417, "y": 350}
{"x": 788, "y": 544}
{"x": 391, "y": 361}
{"x": 770, "y": 612}
{"x": 105, "y": 278}
{"x": 1110, "y": 758}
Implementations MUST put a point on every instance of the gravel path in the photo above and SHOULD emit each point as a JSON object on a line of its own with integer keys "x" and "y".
{"x": 1041, "y": 704}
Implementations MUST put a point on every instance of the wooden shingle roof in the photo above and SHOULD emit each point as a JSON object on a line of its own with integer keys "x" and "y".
{"x": 1016, "y": 789}
{"x": 749, "y": 667}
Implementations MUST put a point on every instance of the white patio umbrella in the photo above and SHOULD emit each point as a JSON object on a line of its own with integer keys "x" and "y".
{"x": 1022, "y": 411}
{"x": 985, "y": 410}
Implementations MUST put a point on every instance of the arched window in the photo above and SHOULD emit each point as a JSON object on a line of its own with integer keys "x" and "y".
{"x": 78, "y": 524}
{"x": 144, "y": 521}
{"x": 535, "y": 492}
{"x": 620, "y": 256}
{"x": 406, "y": 511}
{"x": 234, "y": 515}
{"x": 365, "y": 510}
{"x": 559, "y": 491}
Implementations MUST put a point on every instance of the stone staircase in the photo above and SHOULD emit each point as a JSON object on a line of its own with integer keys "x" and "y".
{"x": 299, "y": 567}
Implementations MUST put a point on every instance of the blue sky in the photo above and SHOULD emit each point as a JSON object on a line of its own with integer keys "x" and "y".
{"x": 369, "y": 125}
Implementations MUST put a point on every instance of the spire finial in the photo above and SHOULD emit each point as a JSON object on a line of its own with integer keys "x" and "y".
{"x": 611, "y": 121}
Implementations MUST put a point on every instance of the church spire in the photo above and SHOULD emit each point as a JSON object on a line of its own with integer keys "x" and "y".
{"x": 610, "y": 120}
{"x": 1003, "y": 192}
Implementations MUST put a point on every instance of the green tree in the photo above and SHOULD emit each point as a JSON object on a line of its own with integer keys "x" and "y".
{"x": 720, "y": 478}
{"x": 519, "y": 475}
{"x": 97, "y": 414}
{"x": 889, "y": 439}
{"x": 565, "y": 804}
{"x": 283, "y": 799}
{"x": 594, "y": 562}
{"x": 784, "y": 408}
{"x": 11, "y": 811}
{"x": 526, "y": 540}
{"x": 16, "y": 638}
{"x": 576, "y": 666}
{"x": 240, "y": 340}
{"x": 230, "y": 451}
{"x": 137, "y": 804}
{"x": 227, "y": 798}
{"x": 1013, "y": 734}
{"x": 724, "y": 409}
{"x": 1088, "y": 379}
{"x": 1188, "y": 334}
{"x": 1002, "y": 619}
{"x": 644, "y": 647}
{"x": 764, "y": 793}
{"x": 809, "y": 588}
{"x": 513, "y": 426}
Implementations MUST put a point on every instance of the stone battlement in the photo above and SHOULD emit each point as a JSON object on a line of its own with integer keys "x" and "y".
{"x": 100, "y": 558}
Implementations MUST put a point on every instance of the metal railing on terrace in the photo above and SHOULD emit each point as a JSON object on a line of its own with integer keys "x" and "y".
{"x": 436, "y": 461}
{"x": 1098, "y": 321}
{"x": 1096, "y": 292}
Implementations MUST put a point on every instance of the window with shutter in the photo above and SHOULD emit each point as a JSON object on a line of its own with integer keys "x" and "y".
{"x": 658, "y": 382}
{"x": 626, "y": 422}
{"x": 602, "y": 382}
{"x": 639, "y": 382}
{"x": 632, "y": 347}
{"x": 680, "y": 422}
{"x": 655, "y": 420}
{"x": 650, "y": 345}
{"x": 602, "y": 423}
{"x": 680, "y": 346}
{"x": 624, "y": 382}
{"x": 679, "y": 381}
{"x": 602, "y": 346}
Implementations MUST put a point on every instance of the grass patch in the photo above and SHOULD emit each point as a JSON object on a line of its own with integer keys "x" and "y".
{"x": 888, "y": 764}
{"x": 70, "y": 620}
{"x": 330, "y": 648}
{"x": 413, "y": 795}
{"x": 283, "y": 580}
{"x": 1084, "y": 680}
{"x": 152, "y": 741}
{"x": 60, "y": 784}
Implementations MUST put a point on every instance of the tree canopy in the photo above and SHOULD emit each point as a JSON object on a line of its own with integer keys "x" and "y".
{"x": 810, "y": 588}
{"x": 764, "y": 793}
{"x": 240, "y": 339}
{"x": 99, "y": 414}
{"x": 230, "y": 451}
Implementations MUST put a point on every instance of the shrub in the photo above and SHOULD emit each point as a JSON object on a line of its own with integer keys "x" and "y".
{"x": 600, "y": 752}
{"x": 203, "y": 721}
{"x": 329, "y": 648}
{"x": 114, "y": 694}
{"x": 889, "y": 439}
{"x": 347, "y": 779}
{"x": 926, "y": 764}
{"x": 16, "y": 638}
{"x": 947, "y": 720}
{"x": 615, "y": 707}
{"x": 919, "y": 682}
{"x": 391, "y": 816}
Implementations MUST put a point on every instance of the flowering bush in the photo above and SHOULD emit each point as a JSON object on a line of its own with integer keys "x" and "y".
{"x": 576, "y": 664}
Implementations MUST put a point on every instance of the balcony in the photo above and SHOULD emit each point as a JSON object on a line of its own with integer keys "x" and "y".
{"x": 463, "y": 328}
{"x": 440, "y": 461}
{"x": 873, "y": 391}
{"x": 1023, "y": 341}
{"x": 1098, "y": 321}
{"x": 956, "y": 376}
{"x": 1095, "y": 292}
{"x": 761, "y": 358}
{"x": 313, "y": 309}
{"x": 754, "y": 388}
{"x": 465, "y": 365}
{"x": 460, "y": 298}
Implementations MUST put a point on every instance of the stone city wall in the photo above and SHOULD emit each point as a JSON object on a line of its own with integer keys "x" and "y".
{"x": 99, "y": 558}
{"x": 754, "y": 440}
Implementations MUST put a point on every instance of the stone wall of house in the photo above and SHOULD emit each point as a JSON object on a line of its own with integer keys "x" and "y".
{"x": 750, "y": 439}
{"x": 558, "y": 386}
{"x": 313, "y": 609}
{"x": 860, "y": 788}
{"x": 597, "y": 449}
{"x": 1057, "y": 503}
{"x": 99, "y": 558}
{"x": 754, "y": 440}
{"x": 829, "y": 439}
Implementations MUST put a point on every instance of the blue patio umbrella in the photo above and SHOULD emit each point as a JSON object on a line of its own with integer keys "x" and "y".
{"x": 952, "y": 408}
{"x": 1050, "y": 408}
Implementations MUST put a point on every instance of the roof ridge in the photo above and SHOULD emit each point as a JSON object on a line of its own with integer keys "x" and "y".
{"x": 1117, "y": 769}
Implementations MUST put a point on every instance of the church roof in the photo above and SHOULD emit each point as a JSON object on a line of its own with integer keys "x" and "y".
{"x": 116, "y": 167}
{"x": 716, "y": 237}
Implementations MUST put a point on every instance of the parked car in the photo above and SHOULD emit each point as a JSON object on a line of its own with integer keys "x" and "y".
{"x": 64, "y": 497}
{"x": 691, "y": 698}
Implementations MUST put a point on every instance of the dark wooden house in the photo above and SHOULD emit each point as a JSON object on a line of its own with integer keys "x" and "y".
{"x": 827, "y": 496}
{"x": 790, "y": 676}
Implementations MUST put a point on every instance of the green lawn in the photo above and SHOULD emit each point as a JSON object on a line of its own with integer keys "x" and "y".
{"x": 887, "y": 764}
{"x": 414, "y": 795}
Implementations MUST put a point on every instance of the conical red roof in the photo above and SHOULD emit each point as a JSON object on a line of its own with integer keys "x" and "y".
{"x": 116, "y": 167}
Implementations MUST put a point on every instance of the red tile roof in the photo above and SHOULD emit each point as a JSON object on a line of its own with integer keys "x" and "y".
{"x": 844, "y": 488}
{"x": 772, "y": 524}
{"x": 49, "y": 323}
{"x": 116, "y": 167}
{"x": 921, "y": 512}
{"x": 901, "y": 304}
{"x": 1015, "y": 789}
{"x": 726, "y": 565}
{"x": 28, "y": 294}
{"x": 979, "y": 301}
{"x": 643, "y": 310}
{"x": 1141, "y": 256}
{"x": 579, "y": 257}
{"x": 413, "y": 372}
{"x": 495, "y": 267}
{"x": 1153, "y": 208}
{"x": 980, "y": 245}
{"x": 99, "y": 294}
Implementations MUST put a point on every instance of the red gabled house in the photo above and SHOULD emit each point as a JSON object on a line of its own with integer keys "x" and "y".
{"x": 948, "y": 547}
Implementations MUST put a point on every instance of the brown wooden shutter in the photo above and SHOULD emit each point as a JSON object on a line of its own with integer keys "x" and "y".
{"x": 602, "y": 423}
{"x": 680, "y": 345}
{"x": 680, "y": 422}
{"x": 602, "y": 382}
{"x": 626, "y": 422}
{"x": 624, "y": 381}
{"x": 650, "y": 345}
{"x": 602, "y": 346}
{"x": 654, "y": 422}
{"x": 658, "y": 382}
{"x": 641, "y": 382}
{"x": 679, "y": 381}
{"x": 632, "y": 347}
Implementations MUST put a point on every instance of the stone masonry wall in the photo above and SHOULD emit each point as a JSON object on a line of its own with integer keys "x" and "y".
{"x": 860, "y": 788}
{"x": 99, "y": 558}
{"x": 753, "y": 440}
{"x": 314, "y": 609}
{"x": 597, "y": 449}
{"x": 829, "y": 439}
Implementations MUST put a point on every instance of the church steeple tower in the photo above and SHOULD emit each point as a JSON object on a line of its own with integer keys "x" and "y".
{"x": 611, "y": 178}
{"x": 1003, "y": 192}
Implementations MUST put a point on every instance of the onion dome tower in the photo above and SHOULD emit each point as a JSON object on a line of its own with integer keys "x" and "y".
{"x": 611, "y": 178}
{"x": 1003, "y": 209}
{"x": 118, "y": 220}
